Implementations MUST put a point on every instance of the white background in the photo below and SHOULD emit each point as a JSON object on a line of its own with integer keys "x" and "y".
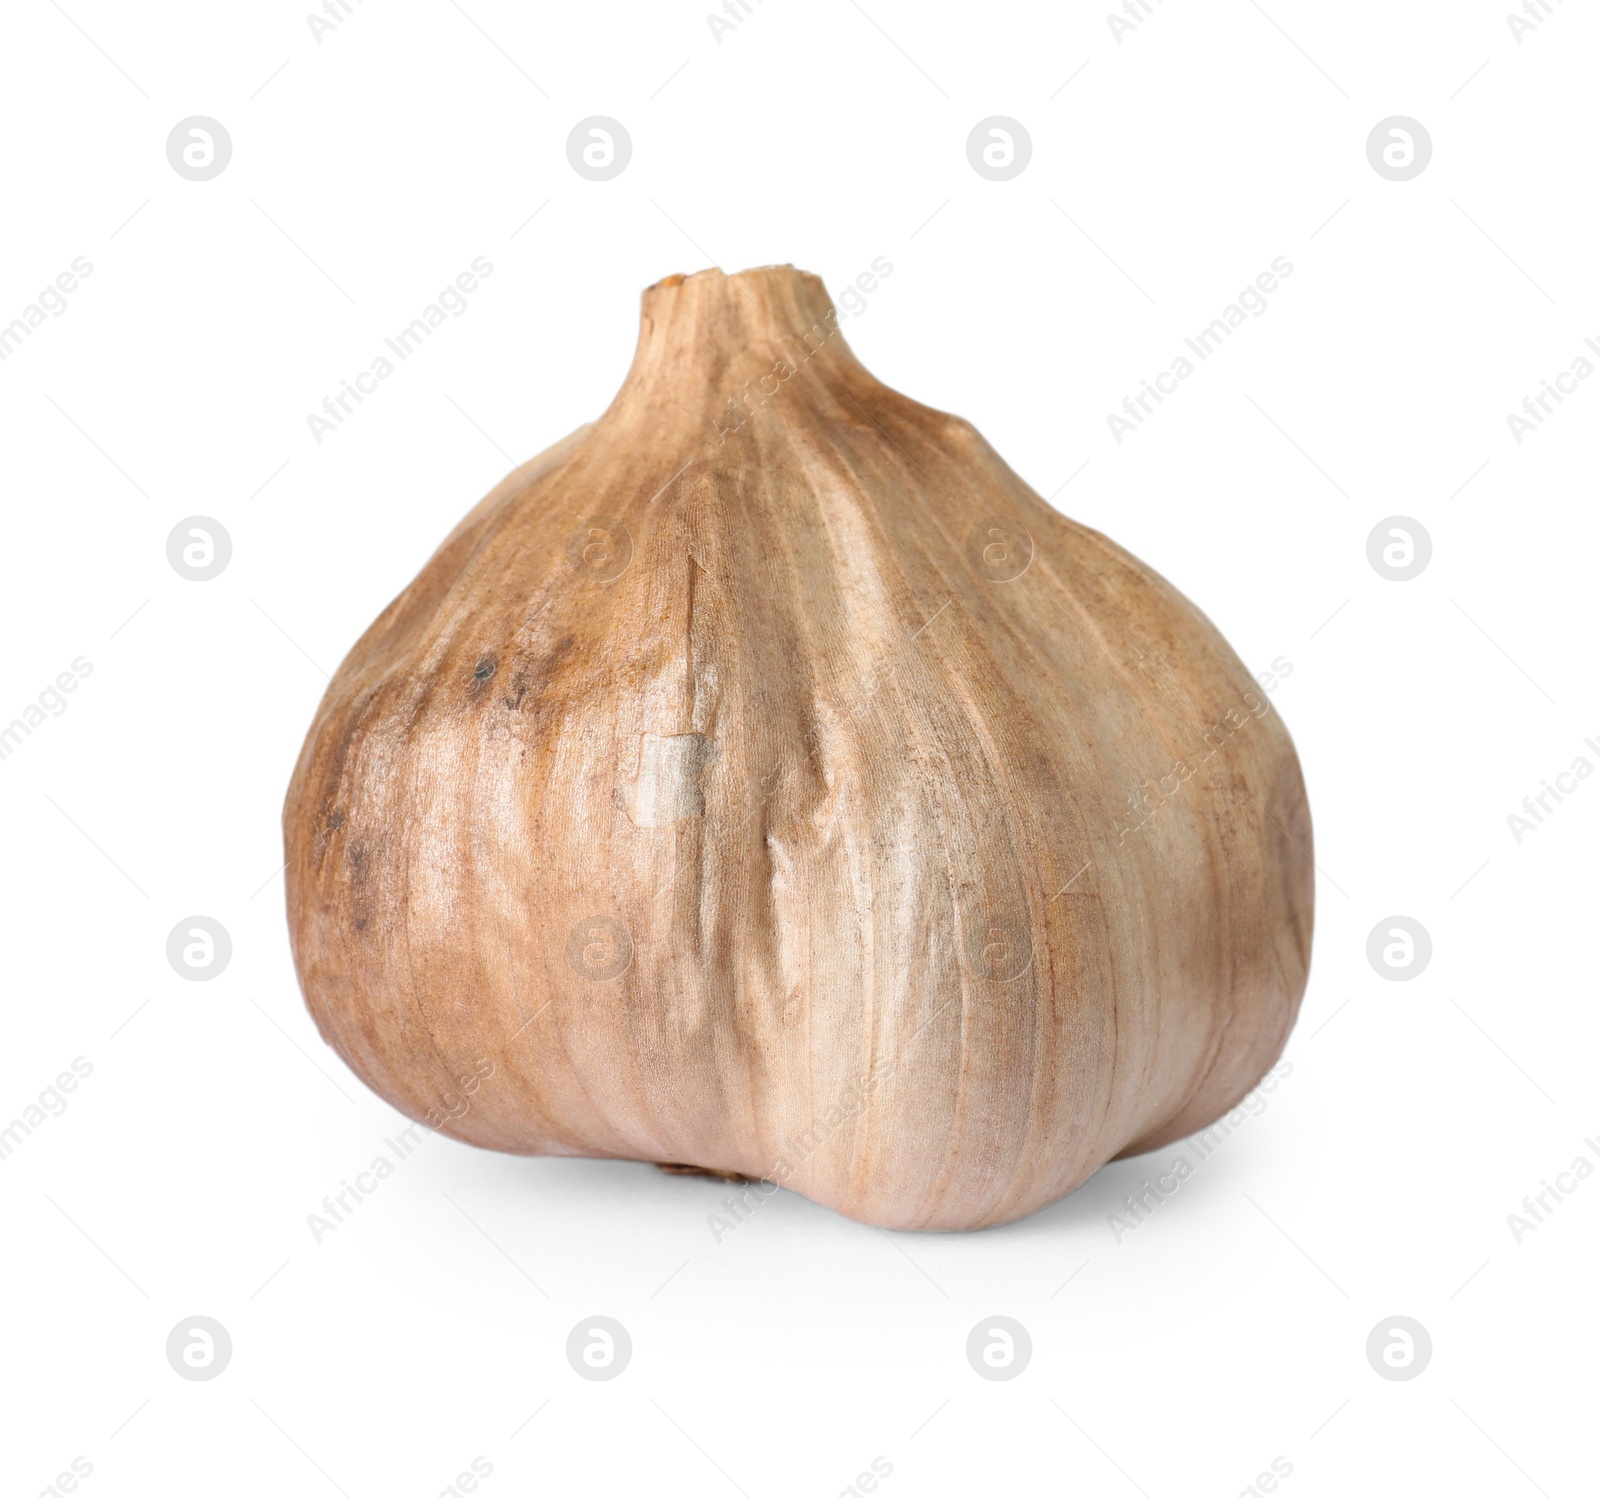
{"x": 367, "y": 171}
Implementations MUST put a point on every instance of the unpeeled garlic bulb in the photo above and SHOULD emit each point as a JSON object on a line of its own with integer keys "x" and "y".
{"x": 765, "y": 780}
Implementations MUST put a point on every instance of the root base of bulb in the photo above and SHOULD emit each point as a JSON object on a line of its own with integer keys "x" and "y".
{"x": 675, "y": 1168}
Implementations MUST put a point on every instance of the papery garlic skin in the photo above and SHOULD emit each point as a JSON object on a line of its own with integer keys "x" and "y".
{"x": 765, "y": 779}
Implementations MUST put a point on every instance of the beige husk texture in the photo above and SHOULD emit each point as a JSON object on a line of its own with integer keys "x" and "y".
{"x": 765, "y": 780}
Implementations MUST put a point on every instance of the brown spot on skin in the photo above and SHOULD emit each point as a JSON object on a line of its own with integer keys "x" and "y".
{"x": 331, "y": 824}
{"x": 360, "y": 897}
{"x": 478, "y": 686}
{"x": 537, "y": 674}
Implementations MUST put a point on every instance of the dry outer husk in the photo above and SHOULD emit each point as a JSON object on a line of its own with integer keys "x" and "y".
{"x": 765, "y": 780}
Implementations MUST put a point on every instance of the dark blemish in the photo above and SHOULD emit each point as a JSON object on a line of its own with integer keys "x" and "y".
{"x": 541, "y": 672}
{"x": 330, "y": 825}
{"x": 358, "y": 899}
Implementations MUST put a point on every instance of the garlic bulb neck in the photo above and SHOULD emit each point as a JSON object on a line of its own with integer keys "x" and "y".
{"x": 710, "y": 339}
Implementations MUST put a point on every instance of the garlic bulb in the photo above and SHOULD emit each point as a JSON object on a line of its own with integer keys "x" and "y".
{"x": 765, "y": 780}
